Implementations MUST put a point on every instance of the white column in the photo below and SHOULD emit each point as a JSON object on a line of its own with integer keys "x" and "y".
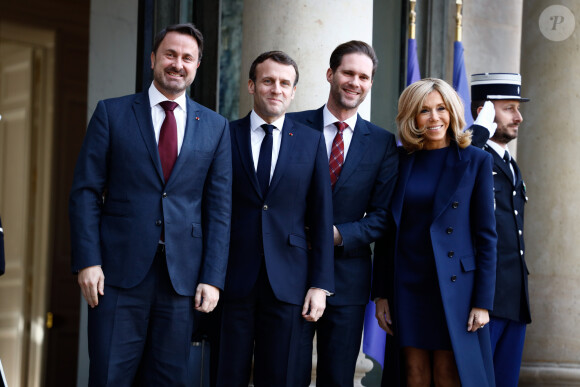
{"x": 549, "y": 141}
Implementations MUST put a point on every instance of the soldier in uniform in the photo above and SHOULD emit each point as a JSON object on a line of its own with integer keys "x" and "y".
{"x": 496, "y": 102}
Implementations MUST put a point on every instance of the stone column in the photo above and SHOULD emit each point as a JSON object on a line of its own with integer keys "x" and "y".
{"x": 548, "y": 155}
{"x": 307, "y": 30}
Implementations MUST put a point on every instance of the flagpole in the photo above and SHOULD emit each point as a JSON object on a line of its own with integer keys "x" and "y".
{"x": 458, "y": 18}
{"x": 412, "y": 18}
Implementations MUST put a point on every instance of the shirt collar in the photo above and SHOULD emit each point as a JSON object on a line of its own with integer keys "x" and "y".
{"x": 330, "y": 119}
{"x": 155, "y": 97}
{"x": 256, "y": 121}
{"x": 500, "y": 150}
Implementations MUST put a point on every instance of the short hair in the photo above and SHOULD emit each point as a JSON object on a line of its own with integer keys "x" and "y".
{"x": 353, "y": 47}
{"x": 410, "y": 104}
{"x": 278, "y": 57}
{"x": 474, "y": 106}
{"x": 184, "y": 28}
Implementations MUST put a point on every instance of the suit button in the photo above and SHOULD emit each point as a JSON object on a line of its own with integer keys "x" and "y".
{"x": 158, "y": 222}
{"x": 164, "y": 195}
{"x": 521, "y": 252}
{"x": 514, "y": 193}
{"x": 451, "y": 254}
{"x": 453, "y": 278}
{"x": 520, "y": 232}
{"x": 265, "y": 208}
{"x": 516, "y": 212}
{"x": 455, "y": 204}
{"x": 449, "y": 230}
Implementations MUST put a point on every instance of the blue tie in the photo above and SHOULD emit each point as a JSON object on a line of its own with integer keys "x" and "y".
{"x": 265, "y": 160}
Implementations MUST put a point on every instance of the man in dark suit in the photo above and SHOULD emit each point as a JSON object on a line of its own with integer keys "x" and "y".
{"x": 2, "y": 265}
{"x": 150, "y": 213}
{"x": 361, "y": 192}
{"x": 276, "y": 278}
{"x": 496, "y": 103}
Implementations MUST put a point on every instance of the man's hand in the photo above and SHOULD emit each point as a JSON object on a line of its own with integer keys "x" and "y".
{"x": 383, "y": 315}
{"x": 314, "y": 304}
{"x": 337, "y": 236}
{"x": 477, "y": 319}
{"x": 92, "y": 282}
{"x": 486, "y": 116}
{"x": 206, "y": 298}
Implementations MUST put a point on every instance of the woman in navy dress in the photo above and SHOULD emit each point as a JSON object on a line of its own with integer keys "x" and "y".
{"x": 443, "y": 257}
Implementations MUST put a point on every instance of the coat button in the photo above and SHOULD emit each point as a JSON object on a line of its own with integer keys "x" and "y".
{"x": 520, "y": 232}
{"x": 514, "y": 193}
{"x": 158, "y": 222}
{"x": 521, "y": 252}
{"x": 265, "y": 208}
{"x": 516, "y": 212}
{"x": 455, "y": 204}
{"x": 164, "y": 195}
{"x": 453, "y": 278}
{"x": 451, "y": 254}
{"x": 449, "y": 230}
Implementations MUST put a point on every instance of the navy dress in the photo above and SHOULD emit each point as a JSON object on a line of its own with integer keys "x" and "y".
{"x": 421, "y": 318}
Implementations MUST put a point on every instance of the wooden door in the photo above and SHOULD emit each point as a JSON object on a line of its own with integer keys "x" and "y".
{"x": 16, "y": 75}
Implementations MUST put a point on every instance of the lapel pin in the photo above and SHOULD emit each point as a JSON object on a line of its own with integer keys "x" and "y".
{"x": 291, "y": 134}
{"x": 197, "y": 118}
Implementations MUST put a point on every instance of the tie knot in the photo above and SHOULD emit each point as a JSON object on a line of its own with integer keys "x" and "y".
{"x": 168, "y": 106}
{"x": 341, "y": 126}
{"x": 506, "y": 157}
{"x": 268, "y": 128}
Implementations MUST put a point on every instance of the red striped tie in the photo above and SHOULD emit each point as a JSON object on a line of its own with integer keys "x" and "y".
{"x": 337, "y": 153}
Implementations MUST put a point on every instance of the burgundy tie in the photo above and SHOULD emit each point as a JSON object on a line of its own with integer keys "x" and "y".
{"x": 168, "y": 139}
{"x": 337, "y": 153}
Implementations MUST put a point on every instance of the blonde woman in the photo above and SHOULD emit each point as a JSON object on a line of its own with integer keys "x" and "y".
{"x": 440, "y": 279}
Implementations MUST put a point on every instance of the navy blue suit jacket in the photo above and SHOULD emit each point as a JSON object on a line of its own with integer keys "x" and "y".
{"x": 512, "y": 299}
{"x": 361, "y": 199}
{"x": 1, "y": 249}
{"x": 299, "y": 196}
{"x": 464, "y": 241}
{"x": 119, "y": 200}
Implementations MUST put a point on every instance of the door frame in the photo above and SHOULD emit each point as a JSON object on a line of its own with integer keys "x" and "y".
{"x": 40, "y": 230}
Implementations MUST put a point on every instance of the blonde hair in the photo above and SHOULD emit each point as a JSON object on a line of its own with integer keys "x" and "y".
{"x": 410, "y": 104}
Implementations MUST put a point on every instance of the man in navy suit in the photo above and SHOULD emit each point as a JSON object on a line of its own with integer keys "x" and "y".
{"x": 361, "y": 195}
{"x": 276, "y": 277}
{"x": 150, "y": 213}
{"x": 496, "y": 103}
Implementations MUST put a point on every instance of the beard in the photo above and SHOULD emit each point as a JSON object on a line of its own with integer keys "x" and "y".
{"x": 503, "y": 135}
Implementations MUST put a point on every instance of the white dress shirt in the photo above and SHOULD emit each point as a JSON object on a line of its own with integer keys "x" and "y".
{"x": 330, "y": 130}
{"x": 257, "y": 135}
{"x": 158, "y": 114}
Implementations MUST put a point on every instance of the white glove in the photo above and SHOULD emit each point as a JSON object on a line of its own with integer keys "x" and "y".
{"x": 485, "y": 118}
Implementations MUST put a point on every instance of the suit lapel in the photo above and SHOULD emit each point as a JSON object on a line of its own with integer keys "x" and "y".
{"x": 451, "y": 175}
{"x": 191, "y": 129}
{"x": 286, "y": 147}
{"x": 405, "y": 166}
{"x": 241, "y": 135}
{"x": 356, "y": 151}
{"x": 142, "y": 111}
{"x": 501, "y": 164}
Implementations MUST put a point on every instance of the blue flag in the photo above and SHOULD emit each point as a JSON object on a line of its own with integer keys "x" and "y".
{"x": 413, "y": 73}
{"x": 460, "y": 81}
{"x": 374, "y": 337}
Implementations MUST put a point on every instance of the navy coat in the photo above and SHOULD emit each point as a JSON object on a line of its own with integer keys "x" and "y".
{"x": 464, "y": 241}
{"x": 119, "y": 200}
{"x": 512, "y": 300}
{"x": 299, "y": 197}
{"x": 360, "y": 201}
